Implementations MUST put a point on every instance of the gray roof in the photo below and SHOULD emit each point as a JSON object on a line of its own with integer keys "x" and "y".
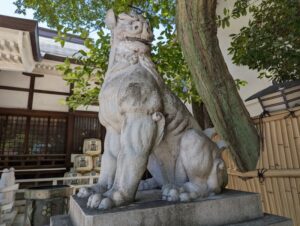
{"x": 274, "y": 88}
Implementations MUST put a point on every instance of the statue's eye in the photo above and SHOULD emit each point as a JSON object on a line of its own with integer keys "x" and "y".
{"x": 136, "y": 27}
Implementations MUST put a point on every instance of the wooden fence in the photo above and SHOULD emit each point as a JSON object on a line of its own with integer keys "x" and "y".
{"x": 277, "y": 177}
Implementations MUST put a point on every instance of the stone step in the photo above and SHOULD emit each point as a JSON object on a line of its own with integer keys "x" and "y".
{"x": 227, "y": 208}
{"x": 60, "y": 220}
{"x": 268, "y": 219}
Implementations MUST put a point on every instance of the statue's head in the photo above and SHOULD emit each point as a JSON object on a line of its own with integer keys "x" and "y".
{"x": 130, "y": 27}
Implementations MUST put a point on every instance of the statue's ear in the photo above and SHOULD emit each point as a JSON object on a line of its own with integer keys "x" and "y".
{"x": 110, "y": 19}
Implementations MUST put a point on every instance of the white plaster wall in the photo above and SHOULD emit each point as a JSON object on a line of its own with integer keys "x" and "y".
{"x": 88, "y": 108}
{"x": 244, "y": 73}
{"x": 9, "y": 98}
{"x": 48, "y": 102}
{"x": 53, "y": 83}
{"x": 13, "y": 99}
{"x": 14, "y": 78}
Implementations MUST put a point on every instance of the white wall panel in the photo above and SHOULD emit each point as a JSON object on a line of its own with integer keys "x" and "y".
{"x": 48, "y": 102}
{"x": 88, "y": 108}
{"x": 53, "y": 83}
{"x": 14, "y": 78}
{"x": 13, "y": 99}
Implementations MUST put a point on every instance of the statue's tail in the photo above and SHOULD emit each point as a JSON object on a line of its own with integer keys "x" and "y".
{"x": 211, "y": 133}
{"x": 218, "y": 178}
{"x": 159, "y": 118}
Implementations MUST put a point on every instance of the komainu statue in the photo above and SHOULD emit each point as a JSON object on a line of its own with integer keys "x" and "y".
{"x": 148, "y": 127}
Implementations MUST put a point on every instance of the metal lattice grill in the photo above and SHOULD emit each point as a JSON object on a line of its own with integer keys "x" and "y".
{"x": 47, "y": 135}
{"x": 12, "y": 134}
{"x": 57, "y": 135}
{"x": 21, "y": 135}
{"x": 43, "y": 139}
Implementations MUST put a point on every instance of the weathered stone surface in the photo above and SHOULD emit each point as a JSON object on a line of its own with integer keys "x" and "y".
{"x": 60, "y": 220}
{"x": 232, "y": 208}
{"x": 267, "y": 219}
{"x": 148, "y": 127}
{"x": 227, "y": 208}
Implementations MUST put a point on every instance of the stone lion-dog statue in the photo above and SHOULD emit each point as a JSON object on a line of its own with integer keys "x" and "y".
{"x": 148, "y": 127}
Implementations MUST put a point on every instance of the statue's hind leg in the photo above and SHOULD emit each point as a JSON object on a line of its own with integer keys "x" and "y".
{"x": 137, "y": 138}
{"x": 203, "y": 164}
{"x": 198, "y": 156}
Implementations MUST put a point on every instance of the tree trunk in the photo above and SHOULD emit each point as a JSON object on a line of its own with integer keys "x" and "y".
{"x": 197, "y": 33}
{"x": 201, "y": 115}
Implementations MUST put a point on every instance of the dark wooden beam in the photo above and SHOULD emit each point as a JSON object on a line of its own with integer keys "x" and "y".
{"x": 14, "y": 88}
{"x": 30, "y": 95}
{"x": 61, "y": 59}
{"x": 69, "y": 140}
{"x": 33, "y": 113}
{"x": 51, "y": 92}
{"x": 47, "y": 134}
{"x": 32, "y": 74}
{"x": 85, "y": 113}
{"x": 35, "y": 90}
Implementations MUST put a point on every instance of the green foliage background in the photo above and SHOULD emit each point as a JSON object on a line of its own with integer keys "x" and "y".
{"x": 274, "y": 54}
{"x": 270, "y": 43}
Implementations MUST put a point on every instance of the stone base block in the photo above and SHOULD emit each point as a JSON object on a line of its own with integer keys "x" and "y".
{"x": 266, "y": 220}
{"x": 229, "y": 208}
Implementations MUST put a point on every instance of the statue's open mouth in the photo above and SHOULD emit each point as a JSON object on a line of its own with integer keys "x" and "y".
{"x": 132, "y": 39}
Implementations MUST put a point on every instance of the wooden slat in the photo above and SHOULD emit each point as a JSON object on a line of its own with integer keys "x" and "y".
{"x": 269, "y": 149}
{"x": 286, "y": 144}
{"x": 266, "y": 203}
{"x": 280, "y": 155}
{"x": 295, "y": 205}
{"x": 292, "y": 143}
{"x": 277, "y": 160}
{"x": 280, "y": 145}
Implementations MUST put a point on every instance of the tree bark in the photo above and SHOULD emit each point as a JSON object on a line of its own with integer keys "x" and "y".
{"x": 197, "y": 33}
{"x": 201, "y": 115}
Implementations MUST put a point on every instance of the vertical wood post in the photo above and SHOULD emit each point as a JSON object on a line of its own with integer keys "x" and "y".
{"x": 70, "y": 138}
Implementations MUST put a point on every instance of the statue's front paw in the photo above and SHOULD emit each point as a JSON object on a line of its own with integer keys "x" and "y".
{"x": 171, "y": 193}
{"x": 105, "y": 204}
{"x": 84, "y": 192}
{"x": 115, "y": 198}
{"x": 94, "y": 200}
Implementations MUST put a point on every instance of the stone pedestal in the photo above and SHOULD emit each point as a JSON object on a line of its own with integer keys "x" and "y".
{"x": 229, "y": 208}
{"x": 45, "y": 201}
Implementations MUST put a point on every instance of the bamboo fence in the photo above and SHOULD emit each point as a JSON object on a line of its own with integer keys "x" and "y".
{"x": 277, "y": 177}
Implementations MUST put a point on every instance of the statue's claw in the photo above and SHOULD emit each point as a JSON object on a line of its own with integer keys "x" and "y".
{"x": 170, "y": 193}
{"x": 94, "y": 200}
{"x": 184, "y": 197}
{"x": 84, "y": 192}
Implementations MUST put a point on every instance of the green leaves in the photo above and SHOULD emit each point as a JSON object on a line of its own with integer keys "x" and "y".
{"x": 239, "y": 83}
{"x": 168, "y": 57}
{"x": 84, "y": 17}
{"x": 270, "y": 43}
